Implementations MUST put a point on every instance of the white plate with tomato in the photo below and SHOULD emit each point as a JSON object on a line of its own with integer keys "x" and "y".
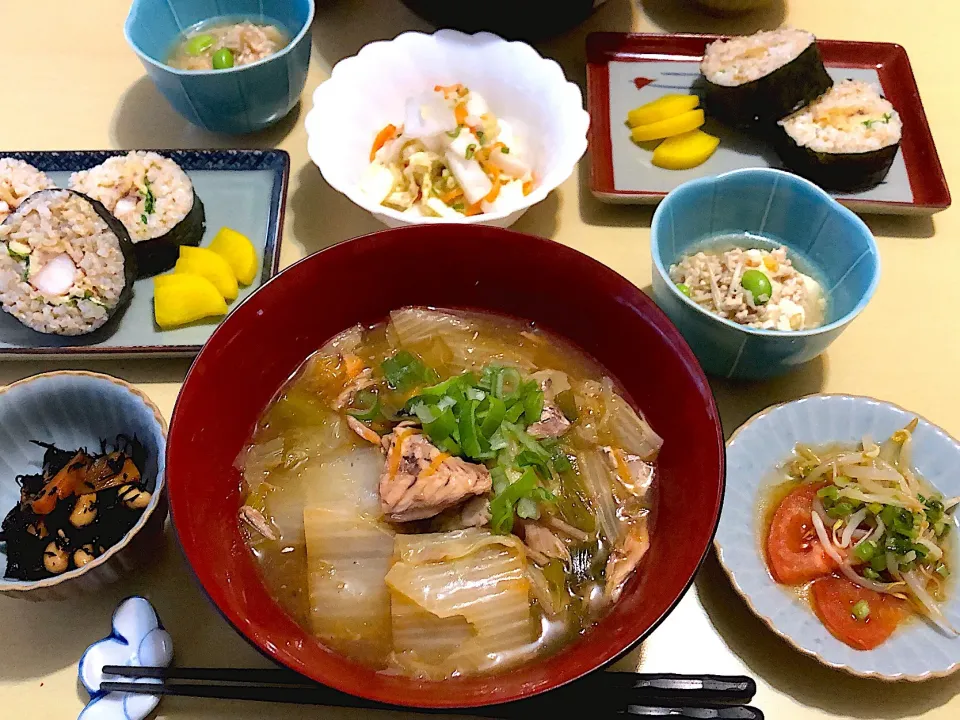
{"x": 839, "y": 529}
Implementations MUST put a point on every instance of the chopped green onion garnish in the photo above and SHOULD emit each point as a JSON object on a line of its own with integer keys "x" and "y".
{"x": 505, "y": 150}
{"x": 943, "y": 570}
{"x": 871, "y": 574}
{"x": 684, "y": 288}
{"x": 829, "y": 492}
{"x": 471, "y": 149}
{"x": 455, "y": 133}
{"x": 865, "y": 550}
{"x": 514, "y": 412}
{"x": 568, "y": 405}
{"x": 469, "y": 433}
{"x": 840, "y": 510}
{"x": 561, "y": 463}
{"x": 527, "y": 509}
{"x": 404, "y": 371}
{"x": 861, "y": 611}
{"x": 503, "y": 503}
{"x": 879, "y": 562}
{"x": 366, "y": 406}
{"x": 875, "y": 508}
{"x": 532, "y": 405}
{"x": 494, "y": 416}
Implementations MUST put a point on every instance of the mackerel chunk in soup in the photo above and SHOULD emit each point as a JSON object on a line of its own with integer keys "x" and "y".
{"x": 447, "y": 494}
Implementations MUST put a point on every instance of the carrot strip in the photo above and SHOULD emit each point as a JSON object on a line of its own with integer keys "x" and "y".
{"x": 474, "y": 209}
{"x": 62, "y": 485}
{"x": 383, "y": 137}
{"x": 449, "y": 197}
{"x": 528, "y": 187}
{"x": 623, "y": 470}
{"x": 393, "y": 463}
{"x": 353, "y": 365}
{"x": 448, "y": 90}
{"x": 434, "y": 465}
{"x": 460, "y": 113}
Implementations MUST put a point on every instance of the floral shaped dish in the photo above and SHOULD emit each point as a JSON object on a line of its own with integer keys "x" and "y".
{"x": 916, "y": 650}
{"x": 369, "y": 90}
{"x": 136, "y": 638}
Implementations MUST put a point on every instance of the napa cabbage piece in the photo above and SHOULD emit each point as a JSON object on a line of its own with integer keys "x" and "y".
{"x": 598, "y": 479}
{"x": 458, "y": 581}
{"x": 415, "y": 325}
{"x": 419, "y": 635}
{"x": 630, "y": 431}
{"x": 348, "y": 558}
{"x": 607, "y": 419}
{"x": 346, "y": 482}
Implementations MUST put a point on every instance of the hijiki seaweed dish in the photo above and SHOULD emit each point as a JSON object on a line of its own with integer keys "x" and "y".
{"x": 78, "y": 506}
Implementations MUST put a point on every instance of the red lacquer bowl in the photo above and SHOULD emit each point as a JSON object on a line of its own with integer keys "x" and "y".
{"x": 266, "y": 338}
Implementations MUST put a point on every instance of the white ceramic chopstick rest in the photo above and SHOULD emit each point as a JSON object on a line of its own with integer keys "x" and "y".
{"x": 136, "y": 638}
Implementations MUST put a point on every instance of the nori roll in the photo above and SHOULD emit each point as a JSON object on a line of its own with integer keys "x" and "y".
{"x": 761, "y": 78}
{"x": 156, "y": 201}
{"x": 18, "y": 180}
{"x": 845, "y": 140}
{"x": 66, "y": 264}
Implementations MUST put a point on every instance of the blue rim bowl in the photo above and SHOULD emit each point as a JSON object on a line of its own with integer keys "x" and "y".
{"x": 236, "y": 100}
{"x": 76, "y": 408}
{"x": 821, "y": 236}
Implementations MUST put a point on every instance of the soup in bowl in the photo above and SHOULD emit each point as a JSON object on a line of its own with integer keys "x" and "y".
{"x": 415, "y": 484}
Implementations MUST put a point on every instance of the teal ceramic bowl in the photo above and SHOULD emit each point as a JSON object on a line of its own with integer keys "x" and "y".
{"x": 238, "y": 100}
{"x": 825, "y": 238}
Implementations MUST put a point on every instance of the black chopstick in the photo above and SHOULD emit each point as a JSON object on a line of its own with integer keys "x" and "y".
{"x": 611, "y": 694}
{"x": 713, "y": 689}
{"x": 266, "y": 676}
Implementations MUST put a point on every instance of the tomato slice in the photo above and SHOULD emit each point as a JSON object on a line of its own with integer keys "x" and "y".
{"x": 795, "y": 554}
{"x": 833, "y": 599}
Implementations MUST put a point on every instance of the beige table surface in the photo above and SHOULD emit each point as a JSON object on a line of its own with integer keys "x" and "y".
{"x": 70, "y": 82}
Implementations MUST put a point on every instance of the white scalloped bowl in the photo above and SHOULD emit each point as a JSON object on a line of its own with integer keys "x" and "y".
{"x": 368, "y": 91}
{"x": 916, "y": 650}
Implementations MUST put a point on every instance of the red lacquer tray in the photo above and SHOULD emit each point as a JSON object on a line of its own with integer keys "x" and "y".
{"x": 627, "y": 70}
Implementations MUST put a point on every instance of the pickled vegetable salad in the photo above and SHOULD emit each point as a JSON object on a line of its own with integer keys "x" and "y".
{"x": 879, "y": 525}
{"x": 451, "y": 158}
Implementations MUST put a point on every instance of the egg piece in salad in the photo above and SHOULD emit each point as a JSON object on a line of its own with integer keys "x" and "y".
{"x": 451, "y": 158}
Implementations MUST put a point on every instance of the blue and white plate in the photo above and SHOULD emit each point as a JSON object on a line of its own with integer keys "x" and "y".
{"x": 245, "y": 190}
{"x": 917, "y": 650}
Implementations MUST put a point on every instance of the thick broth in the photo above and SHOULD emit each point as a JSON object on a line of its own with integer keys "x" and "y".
{"x": 299, "y": 435}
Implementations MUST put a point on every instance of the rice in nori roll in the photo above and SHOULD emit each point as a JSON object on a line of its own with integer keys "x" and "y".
{"x": 66, "y": 264}
{"x": 18, "y": 180}
{"x": 763, "y": 77}
{"x": 845, "y": 140}
{"x": 156, "y": 201}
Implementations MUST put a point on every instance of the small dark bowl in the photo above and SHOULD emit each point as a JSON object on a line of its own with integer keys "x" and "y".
{"x": 534, "y": 20}
{"x": 265, "y": 339}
